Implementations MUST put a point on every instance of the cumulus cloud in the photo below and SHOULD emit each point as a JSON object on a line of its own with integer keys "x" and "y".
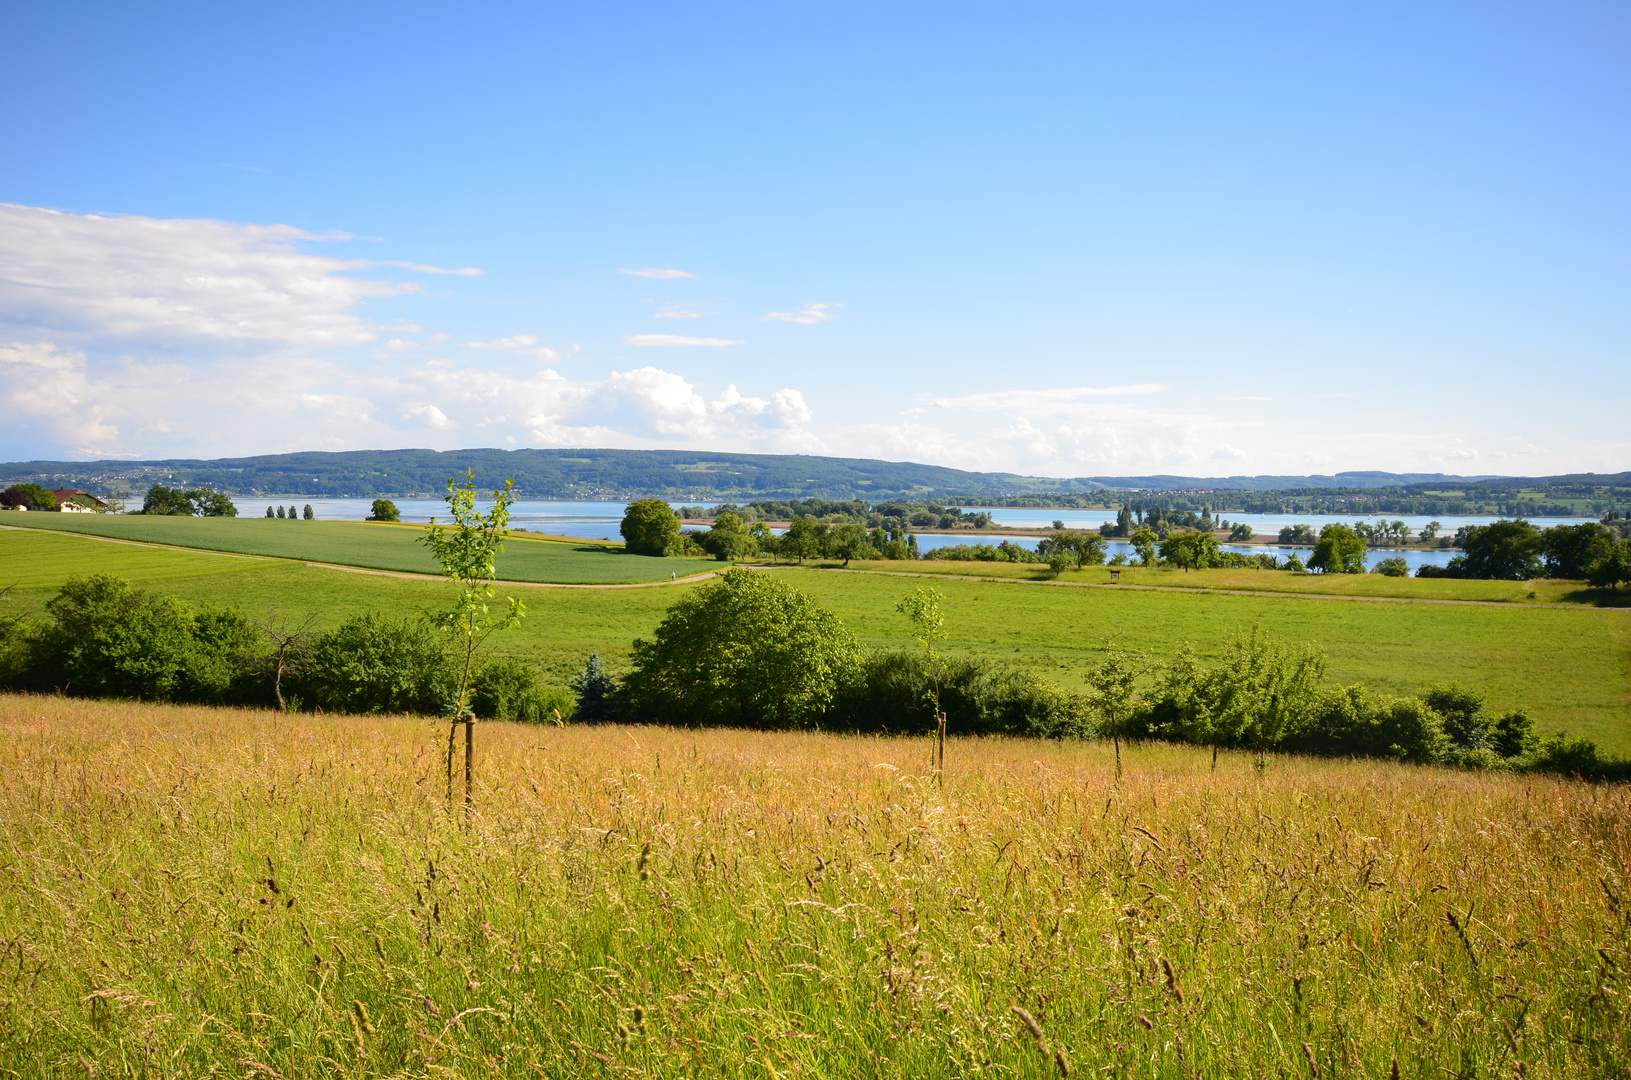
{"x": 658, "y": 274}
{"x": 176, "y": 281}
{"x": 666, "y": 341}
{"x": 808, "y": 315}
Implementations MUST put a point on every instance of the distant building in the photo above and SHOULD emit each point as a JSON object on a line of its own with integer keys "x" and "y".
{"x": 68, "y": 493}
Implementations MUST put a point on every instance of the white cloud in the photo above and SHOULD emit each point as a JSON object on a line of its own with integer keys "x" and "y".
{"x": 807, "y": 315}
{"x": 660, "y": 341}
{"x": 137, "y": 279}
{"x": 422, "y": 268}
{"x": 1225, "y": 452}
{"x": 429, "y": 415}
{"x": 675, "y": 311}
{"x": 1051, "y": 402}
{"x": 519, "y": 341}
{"x": 49, "y": 384}
{"x": 658, "y": 274}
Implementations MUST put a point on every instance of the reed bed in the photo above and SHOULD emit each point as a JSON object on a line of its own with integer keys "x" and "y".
{"x": 188, "y": 891}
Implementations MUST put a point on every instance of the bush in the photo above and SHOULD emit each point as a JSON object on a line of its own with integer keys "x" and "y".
{"x": 1392, "y": 566}
{"x": 1347, "y": 721}
{"x": 509, "y": 690}
{"x": 1462, "y": 714}
{"x": 1577, "y": 757}
{"x": 1513, "y": 734}
{"x": 382, "y": 510}
{"x": 109, "y": 639}
{"x": 746, "y": 651}
{"x": 371, "y": 664}
{"x": 891, "y": 695}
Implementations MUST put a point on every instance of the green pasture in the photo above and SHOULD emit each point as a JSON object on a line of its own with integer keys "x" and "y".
{"x": 33, "y": 560}
{"x": 374, "y": 545}
{"x": 1279, "y": 581}
{"x": 1571, "y": 667}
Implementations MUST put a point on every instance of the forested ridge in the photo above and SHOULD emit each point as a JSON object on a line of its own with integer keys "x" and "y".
{"x": 698, "y": 477}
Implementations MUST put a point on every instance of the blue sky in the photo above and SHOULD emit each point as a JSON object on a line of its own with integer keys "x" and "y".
{"x": 1063, "y": 240}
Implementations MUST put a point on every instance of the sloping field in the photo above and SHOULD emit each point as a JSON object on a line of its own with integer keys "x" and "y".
{"x": 253, "y": 894}
{"x": 1571, "y": 667}
{"x": 372, "y": 545}
{"x": 39, "y": 559}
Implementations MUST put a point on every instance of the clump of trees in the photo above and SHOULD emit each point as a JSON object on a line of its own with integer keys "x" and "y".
{"x": 1515, "y": 550}
{"x": 28, "y": 497}
{"x": 203, "y": 502}
{"x": 650, "y": 527}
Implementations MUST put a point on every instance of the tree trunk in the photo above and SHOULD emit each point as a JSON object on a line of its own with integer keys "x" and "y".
{"x": 469, "y": 764}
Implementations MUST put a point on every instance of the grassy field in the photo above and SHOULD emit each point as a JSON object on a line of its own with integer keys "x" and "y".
{"x": 210, "y": 892}
{"x": 1570, "y": 666}
{"x": 373, "y": 545}
{"x": 1366, "y": 585}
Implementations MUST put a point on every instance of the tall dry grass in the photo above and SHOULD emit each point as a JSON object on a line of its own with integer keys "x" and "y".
{"x": 187, "y": 891}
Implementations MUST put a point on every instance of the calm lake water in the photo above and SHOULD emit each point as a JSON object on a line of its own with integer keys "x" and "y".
{"x": 600, "y": 521}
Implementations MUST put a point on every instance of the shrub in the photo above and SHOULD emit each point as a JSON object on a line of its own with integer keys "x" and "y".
{"x": 1462, "y": 714}
{"x": 109, "y": 639}
{"x": 1513, "y": 734}
{"x": 746, "y": 651}
{"x": 1392, "y": 566}
{"x": 509, "y": 690}
{"x": 891, "y": 694}
{"x": 372, "y": 664}
{"x": 1348, "y": 721}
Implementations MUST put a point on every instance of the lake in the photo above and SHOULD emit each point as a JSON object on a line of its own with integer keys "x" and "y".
{"x": 600, "y": 521}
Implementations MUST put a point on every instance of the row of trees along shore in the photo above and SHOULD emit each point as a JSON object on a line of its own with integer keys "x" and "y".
{"x": 1596, "y": 552}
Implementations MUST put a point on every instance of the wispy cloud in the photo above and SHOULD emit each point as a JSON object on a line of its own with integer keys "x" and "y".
{"x": 676, "y": 311}
{"x": 663, "y": 341}
{"x": 808, "y": 315}
{"x": 425, "y": 268}
{"x": 519, "y": 341}
{"x": 658, "y": 274}
{"x": 1064, "y": 399}
{"x": 1248, "y": 397}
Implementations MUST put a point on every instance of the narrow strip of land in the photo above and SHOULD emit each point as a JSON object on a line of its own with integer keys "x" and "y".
{"x": 1195, "y": 591}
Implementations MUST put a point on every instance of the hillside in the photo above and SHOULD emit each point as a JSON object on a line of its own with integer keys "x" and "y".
{"x": 698, "y": 477}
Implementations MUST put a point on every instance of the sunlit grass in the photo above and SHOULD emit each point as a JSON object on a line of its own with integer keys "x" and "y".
{"x": 190, "y": 890}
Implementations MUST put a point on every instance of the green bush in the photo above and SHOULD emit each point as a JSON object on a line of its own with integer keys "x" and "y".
{"x": 891, "y": 694}
{"x": 1392, "y": 566}
{"x": 106, "y": 638}
{"x": 509, "y": 690}
{"x": 371, "y": 664}
{"x": 747, "y": 651}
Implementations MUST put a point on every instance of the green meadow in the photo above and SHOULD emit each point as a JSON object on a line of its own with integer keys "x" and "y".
{"x": 373, "y": 545}
{"x": 1570, "y": 666}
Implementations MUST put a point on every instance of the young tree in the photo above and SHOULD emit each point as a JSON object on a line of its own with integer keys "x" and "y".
{"x": 597, "y": 693}
{"x": 467, "y": 553}
{"x": 1144, "y": 544}
{"x": 650, "y": 527}
{"x": 847, "y": 542}
{"x": 1114, "y": 686}
{"x": 294, "y": 515}
{"x": 291, "y": 647}
{"x": 307, "y": 514}
{"x": 269, "y": 512}
{"x": 384, "y": 510}
{"x": 923, "y": 607}
{"x": 279, "y": 510}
